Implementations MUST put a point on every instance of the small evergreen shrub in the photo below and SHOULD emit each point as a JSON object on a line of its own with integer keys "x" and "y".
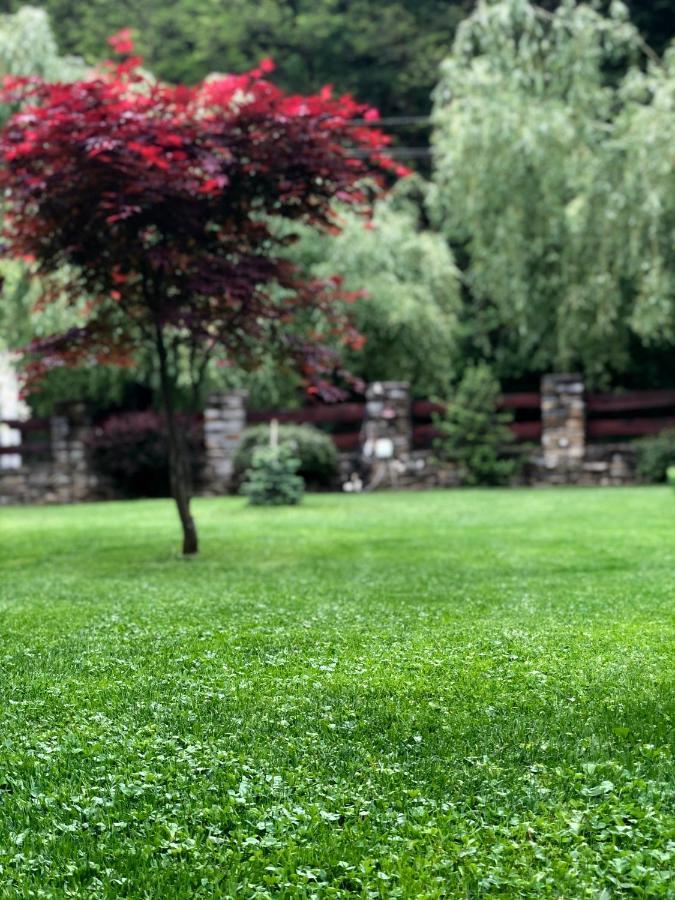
{"x": 272, "y": 478}
{"x": 131, "y": 451}
{"x": 473, "y": 433}
{"x": 655, "y": 455}
{"x": 316, "y": 452}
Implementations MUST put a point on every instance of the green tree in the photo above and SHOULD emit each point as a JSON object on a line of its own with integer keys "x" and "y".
{"x": 633, "y": 214}
{"x": 473, "y": 433}
{"x": 410, "y": 312}
{"x": 553, "y": 150}
{"x": 27, "y": 47}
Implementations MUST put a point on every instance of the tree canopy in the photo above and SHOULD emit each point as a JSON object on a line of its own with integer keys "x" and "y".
{"x": 27, "y": 48}
{"x": 409, "y": 314}
{"x": 386, "y": 53}
{"x": 553, "y": 181}
{"x": 153, "y": 204}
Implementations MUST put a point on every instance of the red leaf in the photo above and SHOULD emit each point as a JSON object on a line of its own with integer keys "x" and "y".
{"x": 122, "y": 42}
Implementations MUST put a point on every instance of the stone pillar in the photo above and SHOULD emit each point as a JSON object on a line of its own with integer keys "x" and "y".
{"x": 563, "y": 421}
{"x": 387, "y": 425}
{"x": 73, "y": 480}
{"x": 224, "y": 422}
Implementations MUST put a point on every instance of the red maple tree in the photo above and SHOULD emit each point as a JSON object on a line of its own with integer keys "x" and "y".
{"x": 157, "y": 203}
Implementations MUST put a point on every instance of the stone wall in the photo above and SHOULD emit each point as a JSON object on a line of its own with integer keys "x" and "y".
{"x": 66, "y": 478}
{"x": 564, "y": 456}
{"x": 386, "y": 458}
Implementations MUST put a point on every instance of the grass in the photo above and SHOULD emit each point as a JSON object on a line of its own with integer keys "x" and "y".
{"x": 450, "y": 694}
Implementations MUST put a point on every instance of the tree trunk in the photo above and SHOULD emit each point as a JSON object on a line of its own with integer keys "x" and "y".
{"x": 179, "y": 467}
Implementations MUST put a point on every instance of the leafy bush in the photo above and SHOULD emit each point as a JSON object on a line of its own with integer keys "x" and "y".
{"x": 655, "y": 455}
{"x": 315, "y": 450}
{"x": 131, "y": 450}
{"x": 670, "y": 476}
{"x": 473, "y": 433}
{"x": 272, "y": 479}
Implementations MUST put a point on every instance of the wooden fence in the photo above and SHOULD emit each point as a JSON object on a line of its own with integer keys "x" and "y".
{"x": 343, "y": 421}
{"x": 609, "y": 417}
{"x": 629, "y": 415}
{"x": 36, "y": 439}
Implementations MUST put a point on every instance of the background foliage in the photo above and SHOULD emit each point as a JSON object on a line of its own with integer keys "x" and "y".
{"x": 655, "y": 455}
{"x": 554, "y": 152}
{"x": 27, "y": 47}
{"x": 411, "y": 304}
{"x": 386, "y": 53}
{"x": 550, "y": 241}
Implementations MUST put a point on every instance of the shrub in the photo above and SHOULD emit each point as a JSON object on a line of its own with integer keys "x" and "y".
{"x": 315, "y": 450}
{"x": 670, "y": 476}
{"x": 473, "y": 433}
{"x": 131, "y": 450}
{"x": 655, "y": 455}
{"x": 272, "y": 479}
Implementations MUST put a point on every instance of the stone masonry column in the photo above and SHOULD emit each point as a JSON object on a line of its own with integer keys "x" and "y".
{"x": 73, "y": 480}
{"x": 387, "y": 426}
{"x": 563, "y": 421}
{"x": 224, "y": 422}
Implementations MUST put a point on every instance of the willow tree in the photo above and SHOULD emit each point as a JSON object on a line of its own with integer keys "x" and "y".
{"x": 553, "y": 156}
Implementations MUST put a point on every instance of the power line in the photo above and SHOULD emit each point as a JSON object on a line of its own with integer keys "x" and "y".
{"x": 396, "y": 152}
{"x": 395, "y": 120}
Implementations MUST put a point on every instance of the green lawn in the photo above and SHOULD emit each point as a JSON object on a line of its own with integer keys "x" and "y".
{"x": 449, "y": 694}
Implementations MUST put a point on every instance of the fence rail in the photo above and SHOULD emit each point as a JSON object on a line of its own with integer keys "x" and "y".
{"x": 608, "y": 417}
{"x": 330, "y": 414}
{"x": 343, "y": 421}
{"x": 629, "y": 415}
{"x": 632, "y": 401}
{"x": 26, "y": 424}
{"x": 28, "y": 447}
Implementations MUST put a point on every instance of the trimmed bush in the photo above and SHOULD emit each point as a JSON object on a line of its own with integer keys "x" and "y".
{"x": 272, "y": 479}
{"x": 131, "y": 451}
{"x": 655, "y": 455}
{"x": 319, "y": 461}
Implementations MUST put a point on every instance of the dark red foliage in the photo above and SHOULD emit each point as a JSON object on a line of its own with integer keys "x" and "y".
{"x": 154, "y": 202}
